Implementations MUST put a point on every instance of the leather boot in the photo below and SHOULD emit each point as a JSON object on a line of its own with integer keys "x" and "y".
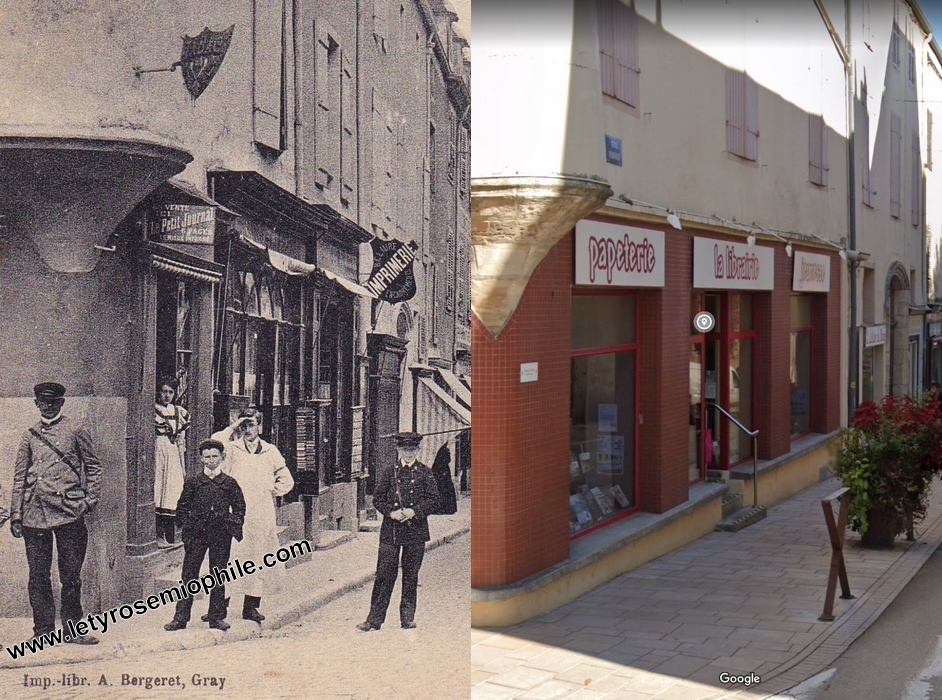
{"x": 250, "y": 609}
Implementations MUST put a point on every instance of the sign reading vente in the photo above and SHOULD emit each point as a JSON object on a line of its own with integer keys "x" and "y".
{"x": 183, "y": 223}
{"x": 728, "y": 265}
{"x": 812, "y": 273}
{"x": 611, "y": 255}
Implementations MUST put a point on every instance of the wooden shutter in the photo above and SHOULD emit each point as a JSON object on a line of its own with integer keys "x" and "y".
{"x": 895, "y": 148}
{"x": 928, "y": 140}
{"x": 348, "y": 118}
{"x": 378, "y": 145}
{"x": 626, "y": 53}
{"x": 323, "y": 89}
{"x": 864, "y": 134}
{"x": 268, "y": 70}
{"x": 752, "y": 119}
{"x": 817, "y": 149}
{"x": 916, "y": 181}
{"x": 605, "y": 10}
{"x": 814, "y": 149}
{"x": 735, "y": 117}
{"x": 450, "y": 264}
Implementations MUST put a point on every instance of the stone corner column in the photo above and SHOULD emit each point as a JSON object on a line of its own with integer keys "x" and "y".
{"x": 515, "y": 221}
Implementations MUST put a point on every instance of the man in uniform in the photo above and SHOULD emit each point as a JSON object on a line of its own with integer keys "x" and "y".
{"x": 56, "y": 483}
{"x": 405, "y": 495}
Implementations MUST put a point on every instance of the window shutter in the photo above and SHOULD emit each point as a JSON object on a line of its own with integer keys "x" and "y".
{"x": 824, "y": 152}
{"x": 895, "y": 143}
{"x": 378, "y": 123}
{"x": 814, "y": 148}
{"x": 322, "y": 118}
{"x": 450, "y": 267}
{"x": 381, "y": 22}
{"x": 626, "y": 50}
{"x": 928, "y": 140}
{"x": 605, "y": 10}
{"x": 752, "y": 119}
{"x": 268, "y": 37}
{"x": 348, "y": 155}
{"x": 916, "y": 182}
{"x": 865, "y": 133}
{"x": 735, "y": 94}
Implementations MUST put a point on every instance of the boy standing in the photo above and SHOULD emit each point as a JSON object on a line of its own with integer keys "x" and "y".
{"x": 210, "y": 511}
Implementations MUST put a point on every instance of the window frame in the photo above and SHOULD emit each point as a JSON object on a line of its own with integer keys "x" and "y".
{"x": 605, "y": 350}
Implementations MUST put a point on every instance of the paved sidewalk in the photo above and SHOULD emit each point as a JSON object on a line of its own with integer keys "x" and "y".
{"x": 328, "y": 575}
{"x": 741, "y": 603}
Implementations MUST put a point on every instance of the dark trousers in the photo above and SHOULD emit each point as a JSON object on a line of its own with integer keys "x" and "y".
{"x": 71, "y": 543}
{"x": 387, "y": 570}
{"x": 165, "y": 527}
{"x": 195, "y": 547}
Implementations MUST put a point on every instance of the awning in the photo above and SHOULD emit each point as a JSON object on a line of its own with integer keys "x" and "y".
{"x": 297, "y": 268}
{"x": 256, "y": 197}
{"x": 192, "y": 193}
{"x": 462, "y": 393}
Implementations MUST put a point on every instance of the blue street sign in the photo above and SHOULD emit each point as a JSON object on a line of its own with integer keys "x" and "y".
{"x": 612, "y": 150}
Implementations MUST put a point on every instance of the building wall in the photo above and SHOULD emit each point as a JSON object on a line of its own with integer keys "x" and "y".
{"x": 520, "y": 441}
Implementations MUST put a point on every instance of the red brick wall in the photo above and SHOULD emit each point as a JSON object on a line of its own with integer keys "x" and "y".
{"x": 773, "y": 359}
{"x": 520, "y": 433}
{"x": 826, "y": 364}
{"x": 664, "y": 377}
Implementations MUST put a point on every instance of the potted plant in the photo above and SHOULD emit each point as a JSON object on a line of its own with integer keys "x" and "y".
{"x": 888, "y": 457}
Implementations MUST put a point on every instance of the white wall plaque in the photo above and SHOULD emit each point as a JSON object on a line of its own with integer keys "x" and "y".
{"x": 812, "y": 273}
{"x": 612, "y": 255}
{"x": 729, "y": 265}
{"x": 529, "y": 372}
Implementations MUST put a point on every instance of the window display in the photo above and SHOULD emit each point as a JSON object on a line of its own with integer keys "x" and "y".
{"x": 801, "y": 354}
{"x": 603, "y": 415}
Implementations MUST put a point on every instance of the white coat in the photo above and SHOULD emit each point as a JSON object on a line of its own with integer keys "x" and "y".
{"x": 261, "y": 476}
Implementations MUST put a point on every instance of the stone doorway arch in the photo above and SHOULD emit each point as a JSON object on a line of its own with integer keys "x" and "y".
{"x": 897, "y": 319}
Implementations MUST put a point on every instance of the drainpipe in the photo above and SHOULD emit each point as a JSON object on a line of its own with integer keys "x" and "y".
{"x": 854, "y": 346}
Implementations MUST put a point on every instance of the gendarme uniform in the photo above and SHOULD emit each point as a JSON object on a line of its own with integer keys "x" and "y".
{"x": 404, "y": 486}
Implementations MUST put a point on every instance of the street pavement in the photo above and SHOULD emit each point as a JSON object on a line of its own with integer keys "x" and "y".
{"x": 326, "y": 576}
{"x": 320, "y": 657}
{"x": 745, "y": 604}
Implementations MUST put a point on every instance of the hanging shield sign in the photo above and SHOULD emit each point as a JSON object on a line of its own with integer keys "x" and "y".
{"x": 202, "y": 55}
{"x": 392, "y": 278}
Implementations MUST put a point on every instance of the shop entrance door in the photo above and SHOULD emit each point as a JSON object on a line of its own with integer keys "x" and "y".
{"x": 721, "y": 372}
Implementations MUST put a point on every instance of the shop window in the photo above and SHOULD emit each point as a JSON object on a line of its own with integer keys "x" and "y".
{"x": 250, "y": 295}
{"x": 801, "y": 364}
{"x": 867, "y": 376}
{"x": 603, "y": 410}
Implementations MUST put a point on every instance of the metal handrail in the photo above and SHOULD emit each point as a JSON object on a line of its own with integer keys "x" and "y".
{"x": 755, "y": 457}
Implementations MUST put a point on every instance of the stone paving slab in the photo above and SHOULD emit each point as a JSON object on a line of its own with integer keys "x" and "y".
{"x": 744, "y": 602}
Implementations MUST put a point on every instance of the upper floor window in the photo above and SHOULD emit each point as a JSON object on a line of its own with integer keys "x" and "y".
{"x": 618, "y": 51}
{"x": 817, "y": 149}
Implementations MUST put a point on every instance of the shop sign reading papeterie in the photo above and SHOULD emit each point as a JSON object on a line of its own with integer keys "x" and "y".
{"x": 611, "y": 255}
{"x": 812, "y": 273}
{"x": 728, "y": 265}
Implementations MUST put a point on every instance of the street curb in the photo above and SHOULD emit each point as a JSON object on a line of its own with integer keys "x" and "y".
{"x": 293, "y": 614}
{"x": 823, "y": 652}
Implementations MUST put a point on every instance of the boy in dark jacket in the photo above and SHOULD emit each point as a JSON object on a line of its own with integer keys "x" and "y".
{"x": 210, "y": 511}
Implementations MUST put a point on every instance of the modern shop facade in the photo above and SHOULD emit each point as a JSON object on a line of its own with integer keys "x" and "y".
{"x": 631, "y": 380}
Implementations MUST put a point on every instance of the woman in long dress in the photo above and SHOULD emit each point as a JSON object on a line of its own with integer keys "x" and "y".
{"x": 171, "y": 422}
{"x": 260, "y": 470}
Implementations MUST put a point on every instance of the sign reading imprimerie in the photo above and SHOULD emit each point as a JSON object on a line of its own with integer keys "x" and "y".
{"x": 392, "y": 279}
{"x": 183, "y": 223}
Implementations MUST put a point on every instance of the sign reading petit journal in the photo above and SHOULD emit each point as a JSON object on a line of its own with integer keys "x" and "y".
{"x": 612, "y": 255}
{"x": 812, "y": 273}
{"x": 728, "y": 265}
